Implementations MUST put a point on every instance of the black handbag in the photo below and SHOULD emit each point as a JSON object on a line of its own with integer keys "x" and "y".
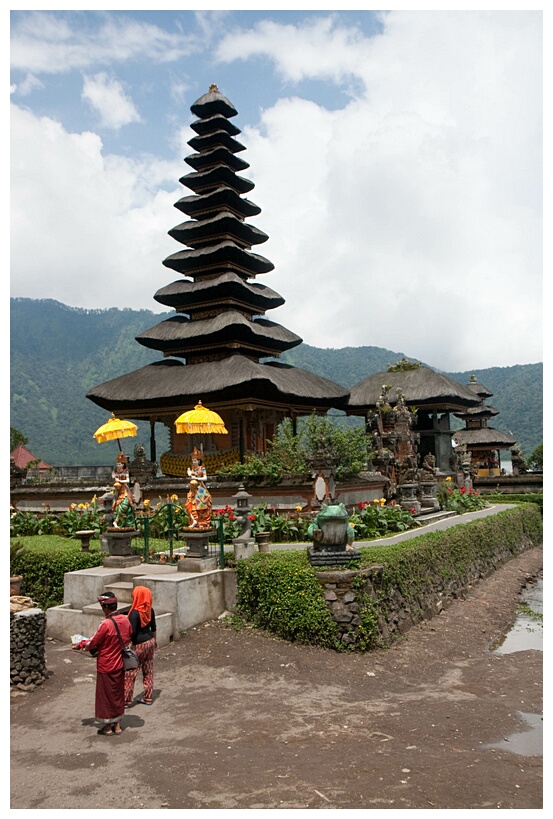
{"x": 130, "y": 657}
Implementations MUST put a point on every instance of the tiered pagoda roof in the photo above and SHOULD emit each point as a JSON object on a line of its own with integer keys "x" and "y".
{"x": 477, "y": 434}
{"x": 219, "y": 328}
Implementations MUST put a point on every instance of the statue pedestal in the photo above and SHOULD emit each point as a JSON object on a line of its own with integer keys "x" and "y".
{"x": 197, "y": 542}
{"x": 119, "y": 545}
{"x": 428, "y": 496}
{"x": 331, "y": 556}
{"x": 197, "y": 556}
{"x": 407, "y": 497}
{"x": 119, "y": 541}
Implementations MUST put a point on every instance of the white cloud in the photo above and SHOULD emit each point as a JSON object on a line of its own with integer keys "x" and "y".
{"x": 86, "y": 229}
{"x": 108, "y": 98}
{"x": 411, "y": 218}
{"x": 27, "y": 85}
{"x": 52, "y": 42}
{"x": 408, "y": 219}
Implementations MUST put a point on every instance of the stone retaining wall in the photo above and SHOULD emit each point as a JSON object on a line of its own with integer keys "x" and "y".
{"x": 27, "y": 648}
{"x": 345, "y": 601}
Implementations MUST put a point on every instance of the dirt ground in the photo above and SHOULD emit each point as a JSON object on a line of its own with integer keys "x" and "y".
{"x": 244, "y": 720}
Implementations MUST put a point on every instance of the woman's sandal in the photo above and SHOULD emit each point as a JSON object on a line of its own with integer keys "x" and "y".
{"x": 146, "y": 702}
{"x": 117, "y": 730}
{"x": 106, "y": 731}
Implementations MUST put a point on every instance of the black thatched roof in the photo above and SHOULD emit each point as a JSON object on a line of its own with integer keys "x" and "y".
{"x": 486, "y": 437}
{"x": 479, "y": 389}
{"x": 171, "y": 386}
{"x": 222, "y": 257}
{"x": 216, "y": 156}
{"x": 213, "y": 103}
{"x": 226, "y": 289}
{"x": 178, "y": 334}
{"x": 216, "y": 329}
{"x": 207, "y": 125}
{"x": 225, "y": 226}
{"x": 203, "y": 181}
{"x": 482, "y": 411}
{"x": 215, "y": 139}
{"x": 222, "y": 198}
{"x": 422, "y": 387}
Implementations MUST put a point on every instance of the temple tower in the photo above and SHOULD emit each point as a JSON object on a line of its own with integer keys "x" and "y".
{"x": 215, "y": 343}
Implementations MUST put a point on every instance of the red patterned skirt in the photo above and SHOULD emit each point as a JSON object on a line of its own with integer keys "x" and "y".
{"x": 110, "y": 695}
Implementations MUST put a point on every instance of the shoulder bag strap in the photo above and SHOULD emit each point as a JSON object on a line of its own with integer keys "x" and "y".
{"x": 117, "y": 628}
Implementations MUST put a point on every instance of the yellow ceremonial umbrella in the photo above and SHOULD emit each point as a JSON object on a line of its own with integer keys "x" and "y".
{"x": 115, "y": 429}
{"x": 200, "y": 420}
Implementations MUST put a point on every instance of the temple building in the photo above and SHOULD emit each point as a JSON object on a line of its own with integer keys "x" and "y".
{"x": 213, "y": 346}
{"x": 482, "y": 441}
{"x": 431, "y": 395}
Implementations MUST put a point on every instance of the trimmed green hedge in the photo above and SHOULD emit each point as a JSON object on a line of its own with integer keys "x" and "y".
{"x": 528, "y": 497}
{"x": 279, "y": 591}
{"x": 43, "y": 560}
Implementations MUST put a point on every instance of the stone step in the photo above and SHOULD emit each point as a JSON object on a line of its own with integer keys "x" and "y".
{"x": 122, "y": 590}
{"x": 96, "y": 608}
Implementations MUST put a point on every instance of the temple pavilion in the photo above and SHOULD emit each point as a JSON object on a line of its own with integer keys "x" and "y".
{"x": 482, "y": 441}
{"x": 432, "y": 395}
{"x": 213, "y": 346}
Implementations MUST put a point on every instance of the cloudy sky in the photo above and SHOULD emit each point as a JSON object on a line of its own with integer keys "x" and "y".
{"x": 396, "y": 156}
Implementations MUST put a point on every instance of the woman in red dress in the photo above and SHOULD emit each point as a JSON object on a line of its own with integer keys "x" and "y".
{"x": 110, "y": 674}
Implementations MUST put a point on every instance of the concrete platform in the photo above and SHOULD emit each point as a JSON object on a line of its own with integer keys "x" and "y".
{"x": 181, "y": 599}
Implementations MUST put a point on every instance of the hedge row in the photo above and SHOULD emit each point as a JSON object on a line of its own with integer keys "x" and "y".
{"x": 43, "y": 560}
{"x": 280, "y": 592}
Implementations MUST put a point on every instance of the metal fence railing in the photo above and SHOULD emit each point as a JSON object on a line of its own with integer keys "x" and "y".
{"x": 163, "y": 535}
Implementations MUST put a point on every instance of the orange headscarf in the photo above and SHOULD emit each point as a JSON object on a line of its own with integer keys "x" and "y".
{"x": 142, "y": 603}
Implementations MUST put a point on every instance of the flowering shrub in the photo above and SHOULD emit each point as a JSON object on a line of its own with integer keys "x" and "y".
{"x": 231, "y": 526}
{"x": 461, "y": 500}
{"x": 377, "y": 519}
{"x": 81, "y": 516}
{"x": 78, "y": 516}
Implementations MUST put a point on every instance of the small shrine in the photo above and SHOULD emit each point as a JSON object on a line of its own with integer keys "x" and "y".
{"x": 217, "y": 344}
{"x": 430, "y": 396}
{"x": 482, "y": 442}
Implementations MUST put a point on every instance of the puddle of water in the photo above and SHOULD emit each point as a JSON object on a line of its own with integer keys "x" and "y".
{"x": 526, "y": 743}
{"x": 527, "y": 631}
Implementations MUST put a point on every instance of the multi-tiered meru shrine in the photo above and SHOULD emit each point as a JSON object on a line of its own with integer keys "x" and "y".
{"x": 213, "y": 347}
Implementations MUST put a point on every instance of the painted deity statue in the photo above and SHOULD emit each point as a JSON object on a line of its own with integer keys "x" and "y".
{"x": 121, "y": 473}
{"x": 198, "y": 500}
{"x": 123, "y": 508}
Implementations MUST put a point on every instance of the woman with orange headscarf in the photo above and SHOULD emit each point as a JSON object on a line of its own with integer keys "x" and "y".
{"x": 143, "y": 622}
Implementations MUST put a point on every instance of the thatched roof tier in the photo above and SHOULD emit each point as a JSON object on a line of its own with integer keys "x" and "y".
{"x": 482, "y": 411}
{"x": 209, "y": 125}
{"x": 170, "y": 387}
{"x": 222, "y": 198}
{"x": 421, "y": 387}
{"x": 488, "y": 437}
{"x": 224, "y": 290}
{"x": 216, "y": 139}
{"x": 479, "y": 389}
{"x": 217, "y": 156}
{"x": 220, "y": 174}
{"x": 216, "y": 230}
{"x": 223, "y": 257}
{"x": 213, "y": 103}
{"x": 179, "y": 335}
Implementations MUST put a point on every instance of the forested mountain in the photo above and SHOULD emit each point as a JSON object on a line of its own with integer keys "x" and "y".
{"x": 58, "y": 353}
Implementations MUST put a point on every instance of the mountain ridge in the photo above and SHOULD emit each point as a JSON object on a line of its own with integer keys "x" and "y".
{"x": 58, "y": 352}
